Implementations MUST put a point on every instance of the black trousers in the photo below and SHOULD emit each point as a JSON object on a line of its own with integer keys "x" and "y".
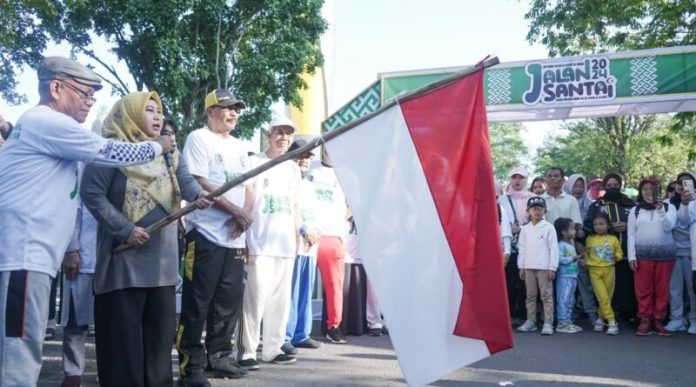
{"x": 134, "y": 332}
{"x": 354, "y": 321}
{"x": 213, "y": 293}
{"x": 517, "y": 293}
{"x": 624, "y": 300}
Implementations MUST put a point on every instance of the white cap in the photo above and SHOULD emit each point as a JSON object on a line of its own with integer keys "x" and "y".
{"x": 281, "y": 121}
{"x": 522, "y": 171}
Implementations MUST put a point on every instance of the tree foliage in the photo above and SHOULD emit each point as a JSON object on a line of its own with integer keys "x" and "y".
{"x": 595, "y": 26}
{"x": 590, "y": 26}
{"x": 181, "y": 48}
{"x": 628, "y": 145}
{"x": 507, "y": 147}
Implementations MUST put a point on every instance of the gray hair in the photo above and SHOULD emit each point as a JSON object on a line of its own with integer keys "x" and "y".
{"x": 44, "y": 89}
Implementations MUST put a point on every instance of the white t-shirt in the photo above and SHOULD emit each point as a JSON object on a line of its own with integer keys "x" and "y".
{"x": 331, "y": 202}
{"x": 219, "y": 160}
{"x": 562, "y": 206}
{"x": 308, "y": 214}
{"x": 39, "y": 185}
{"x": 276, "y": 191}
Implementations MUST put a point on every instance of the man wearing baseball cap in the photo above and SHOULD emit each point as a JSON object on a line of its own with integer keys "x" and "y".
{"x": 38, "y": 203}
{"x": 215, "y": 246}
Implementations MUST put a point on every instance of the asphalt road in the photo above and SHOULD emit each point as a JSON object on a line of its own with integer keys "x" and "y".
{"x": 584, "y": 359}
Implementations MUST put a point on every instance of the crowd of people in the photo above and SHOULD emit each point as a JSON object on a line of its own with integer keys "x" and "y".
{"x": 78, "y": 207}
{"x": 602, "y": 253}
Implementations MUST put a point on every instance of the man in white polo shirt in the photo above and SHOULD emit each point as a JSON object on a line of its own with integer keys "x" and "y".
{"x": 38, "y": 203}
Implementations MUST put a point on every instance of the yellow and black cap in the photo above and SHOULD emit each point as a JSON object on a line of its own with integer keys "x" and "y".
{"x": 222, "y": 97}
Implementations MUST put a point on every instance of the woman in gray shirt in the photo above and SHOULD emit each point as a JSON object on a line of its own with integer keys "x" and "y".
{"x": 134, "y": 305}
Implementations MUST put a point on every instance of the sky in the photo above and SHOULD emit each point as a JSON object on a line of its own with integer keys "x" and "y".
{"x": 369, "y": 37}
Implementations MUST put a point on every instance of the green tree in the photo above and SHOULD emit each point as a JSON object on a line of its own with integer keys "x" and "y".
{"x": 594, "y": 147}
{"x": 507, "y": 147}
{"x": 589, "y": 26}
{"x": 181, "y": 48}
{"x": 594, "y": 26}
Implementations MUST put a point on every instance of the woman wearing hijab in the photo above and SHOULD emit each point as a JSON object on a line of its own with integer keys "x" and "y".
{"x": 617, "y": 205}
{"x": 134, "y": 306}
{"x": 594, "y": 189}
{"x": 514, "y": 203}
{"x": 651, "y": 255}
{"x": 577, "y": 187}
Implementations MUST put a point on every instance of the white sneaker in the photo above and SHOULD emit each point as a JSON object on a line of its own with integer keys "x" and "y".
{"x": 547, "y": 330}
{"x": 599, "y": 325}
{"x": 676, "y": 325}
{"x": 568, "y": 328}
{"x": 528, "y": 326}
{"x": 563, "y": 328}
{"x": 692, "y": 327}
{"x": 575, "y": 328}
{"x": 613, "y": 328}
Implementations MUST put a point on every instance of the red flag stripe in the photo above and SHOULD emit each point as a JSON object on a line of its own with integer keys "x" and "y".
{"x": 450, "y": 134}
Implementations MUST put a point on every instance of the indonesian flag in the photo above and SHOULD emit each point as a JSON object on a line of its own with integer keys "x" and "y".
{"x": 418, "y": 178}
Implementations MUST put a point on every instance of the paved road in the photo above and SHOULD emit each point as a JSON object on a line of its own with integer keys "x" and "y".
{"x": 584, "y": 359}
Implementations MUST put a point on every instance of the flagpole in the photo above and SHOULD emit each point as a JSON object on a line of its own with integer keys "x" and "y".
{"x": 489, "y": 62}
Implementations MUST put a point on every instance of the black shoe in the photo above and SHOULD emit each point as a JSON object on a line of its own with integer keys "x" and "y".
{"x": 375, "y": 332}
{"x": 283, "y": 359}
{"x": 249, "y": 364}
{"x": 196, "y": 379}
{"x": 385, "y": 331}
{"x": 288, "y": 349}
{"x": 308, "y": 343}
{"x": 335, "y": 336}
{"x": 225, "y": 367}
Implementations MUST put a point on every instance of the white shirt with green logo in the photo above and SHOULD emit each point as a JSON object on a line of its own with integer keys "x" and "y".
{"x": 272, "y": 232}
{"x": 219, "y": 160}
{"x": 331, "y": 202}
{"x": 308, "y": 214}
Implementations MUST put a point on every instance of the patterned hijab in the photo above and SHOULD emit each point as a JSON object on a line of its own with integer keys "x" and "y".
{"x": 147, "y": 185}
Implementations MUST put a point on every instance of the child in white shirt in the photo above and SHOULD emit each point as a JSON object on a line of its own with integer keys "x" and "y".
{"x": 538, "y": 261}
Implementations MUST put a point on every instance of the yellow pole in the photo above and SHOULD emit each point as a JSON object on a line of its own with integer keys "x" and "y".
{"x": 314, "y": 106}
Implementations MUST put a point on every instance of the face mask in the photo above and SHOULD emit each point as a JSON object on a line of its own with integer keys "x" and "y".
{"x": 613, "y": 193}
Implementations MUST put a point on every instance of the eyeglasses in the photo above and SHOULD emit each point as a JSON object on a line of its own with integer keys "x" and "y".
{"x": 83, "y": 95}
{"x": 233, "y": 107}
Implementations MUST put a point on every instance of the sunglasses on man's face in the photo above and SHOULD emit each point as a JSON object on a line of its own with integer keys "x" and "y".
{"x": 671, "y": 188}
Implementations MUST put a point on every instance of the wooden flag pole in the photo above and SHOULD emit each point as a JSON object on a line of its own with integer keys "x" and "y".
{"x": 314, "y": 144}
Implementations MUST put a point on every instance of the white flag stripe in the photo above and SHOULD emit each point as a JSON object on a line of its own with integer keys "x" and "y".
{"x": 404, "y": 247}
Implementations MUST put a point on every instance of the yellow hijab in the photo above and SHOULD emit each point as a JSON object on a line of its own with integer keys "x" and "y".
{"x": 147, "y": 185}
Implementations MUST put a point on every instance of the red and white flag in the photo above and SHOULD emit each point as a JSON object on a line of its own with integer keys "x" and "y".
{"x": 418, "y": 178}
